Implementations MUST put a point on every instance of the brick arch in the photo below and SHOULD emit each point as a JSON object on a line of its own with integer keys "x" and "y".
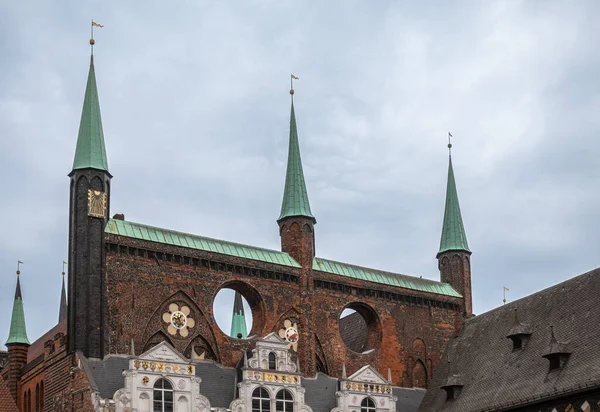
{"x": 419, "y": 374}
{"x": 320, "y": 356}
{"x": 306, "y": 228}
{"x": 419, "y": 349}
{"x": 292, "y": 314}
{"x": 202, "y": 327}
{"x": 200, "y": 346}
{"x": 255, "y": 301}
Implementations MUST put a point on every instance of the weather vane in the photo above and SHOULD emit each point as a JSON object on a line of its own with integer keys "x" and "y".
{"x": 19, "y": 263}
{"x": 92, "y": 41}
{"x": 450, "y": 143}
{"x": 64, "y": 263}
{"x": 504, "y": 291}
{"x": 292, "y": 85}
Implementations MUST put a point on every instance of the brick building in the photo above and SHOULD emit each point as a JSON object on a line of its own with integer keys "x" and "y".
{"x": 132, "y": 287}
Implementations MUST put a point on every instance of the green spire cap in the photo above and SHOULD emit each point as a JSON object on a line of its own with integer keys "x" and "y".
{"x": 238, "y": 321}
{"x": 295, "y": 196}
{"x": 18, "y": 332}
{"x": 90, "y": 152}
{"x": 453, "y": 231}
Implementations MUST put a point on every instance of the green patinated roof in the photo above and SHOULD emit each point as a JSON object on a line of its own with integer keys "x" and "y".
{"x": 385, "y": 278}
{"x": 295, "y": 197}
{"x": 238, "y": 320}
{"x": 453, "y": 231}
{"x": 170, "y": 237}
{"x": 18, "y": 331}
{"x": 90, "y": 151}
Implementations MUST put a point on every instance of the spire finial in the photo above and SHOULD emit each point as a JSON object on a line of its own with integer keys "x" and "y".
{"x": 19, "y": 263}
{"x": 292, "y": 86}
{"x": 63, "y": 272}
{"x": 62, "y": 311}
{"x": 92, "y": 41}
{"x": 450, "y": 144}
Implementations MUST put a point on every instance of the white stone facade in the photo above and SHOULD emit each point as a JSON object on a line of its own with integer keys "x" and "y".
{"x": 365, "y": 384}
{"x": 160, "y": 362}
{"x": 271, "y": 368}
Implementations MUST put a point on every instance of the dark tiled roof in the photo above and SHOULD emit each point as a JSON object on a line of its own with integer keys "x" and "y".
{"x": 320, "y": 392}
{"x": 7, "y": 403}
{"x": 494, "y": 376}
{"x": 218, "y": 383}
{"x": 106, "y": 375}
{"x": 353, "y": 329}
{"x": 408, "y": 399}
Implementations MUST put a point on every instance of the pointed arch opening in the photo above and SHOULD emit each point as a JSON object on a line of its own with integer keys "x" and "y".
{"x": 238, "y": 310}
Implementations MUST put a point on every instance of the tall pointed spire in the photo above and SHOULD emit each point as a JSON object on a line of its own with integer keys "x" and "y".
{"x": 18, "y": 331}
{"x": 62, "y": 313}
{"x": 453, "y": 231}
{"x": 295, "y": 196}
{"x": 238, "y": 320}
{"x": 91, "y": 152}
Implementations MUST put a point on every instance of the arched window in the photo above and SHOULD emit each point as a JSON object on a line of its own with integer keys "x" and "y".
{"x": 284, "y": 401}
{"x": 272, "y": 361}
{"x": 261, "y": 402}
{"x": 367, "y": 405}
{"x": 25, "y": 401}
{"x": 28, "y": 400}
{"x": 37, "y": 397}
{"x": 163, "y": 396}
{"x": 41, "y": 395}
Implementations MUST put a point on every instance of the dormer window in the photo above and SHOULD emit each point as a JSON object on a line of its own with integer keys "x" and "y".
{"x": 272, "y": 361}
{"x": 519, "y": 334}
{"x": 453, "y": 387}
{"x": 557, "y": 354}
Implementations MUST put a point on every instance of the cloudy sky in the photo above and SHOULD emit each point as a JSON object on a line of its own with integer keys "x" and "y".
{"x": 195, "y": 107}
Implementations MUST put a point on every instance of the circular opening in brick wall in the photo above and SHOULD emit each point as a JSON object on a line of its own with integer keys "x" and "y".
{"x": 237, "y": 309}
{"x": 359, "y": 328}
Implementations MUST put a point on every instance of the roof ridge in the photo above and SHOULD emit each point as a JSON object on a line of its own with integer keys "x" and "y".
{"x": 381, "y": 270}
{"x": 199, "y": 236}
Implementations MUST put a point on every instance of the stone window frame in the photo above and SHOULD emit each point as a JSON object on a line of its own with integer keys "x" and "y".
{"x": 284, "y": 404}
{"x": 262, "y": 395}
{"x": 163, "y": 390}
{"x": 366, "y": 407}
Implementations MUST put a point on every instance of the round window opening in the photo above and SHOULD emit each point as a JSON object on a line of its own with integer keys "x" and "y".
{"x": 235, "y": 308}
{"x": 359, "y": 328}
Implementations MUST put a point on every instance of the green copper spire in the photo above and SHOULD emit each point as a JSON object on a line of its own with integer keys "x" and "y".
{"x": 90, "y": 152}
{"x": 295, "y": 196}
{"x": 453, "y": 231}
{"x": 238, "y": 321}
{"x": 18, "y": 332}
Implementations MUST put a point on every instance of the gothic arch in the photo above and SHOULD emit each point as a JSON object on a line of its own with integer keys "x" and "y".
{"x": 419, "y": 349}
{"x": 202, "y": 327}
{"x": 306, "y": 228}
{"x": 291, "y": 314}
{"x": 419, "y": 375}
{"x": 321, "y": 359}
{"x": 202, "y": 348}
{"x": 97, "y": 183}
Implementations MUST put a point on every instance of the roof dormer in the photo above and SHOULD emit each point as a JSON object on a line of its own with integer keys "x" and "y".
{"x": 519, "y": 334}
{"x": 558, "y": 352}
{"x": 453, "y": 386}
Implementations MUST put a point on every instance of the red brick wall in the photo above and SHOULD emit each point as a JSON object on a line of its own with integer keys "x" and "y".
{"x": 143, "y": 278}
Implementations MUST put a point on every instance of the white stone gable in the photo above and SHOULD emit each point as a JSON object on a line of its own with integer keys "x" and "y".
{"x": 165, "y": 353}
{"x": 368, "y": 374}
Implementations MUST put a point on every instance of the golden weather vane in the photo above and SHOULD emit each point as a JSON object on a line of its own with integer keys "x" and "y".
{"x": 64, "y": 263}
{"x": 450, "y": 143}
{"x": 504, "y": 291}
{"x": 92, "y": 41}
{"x": 19, "y": 263}
{"x": 292, "y": 78}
